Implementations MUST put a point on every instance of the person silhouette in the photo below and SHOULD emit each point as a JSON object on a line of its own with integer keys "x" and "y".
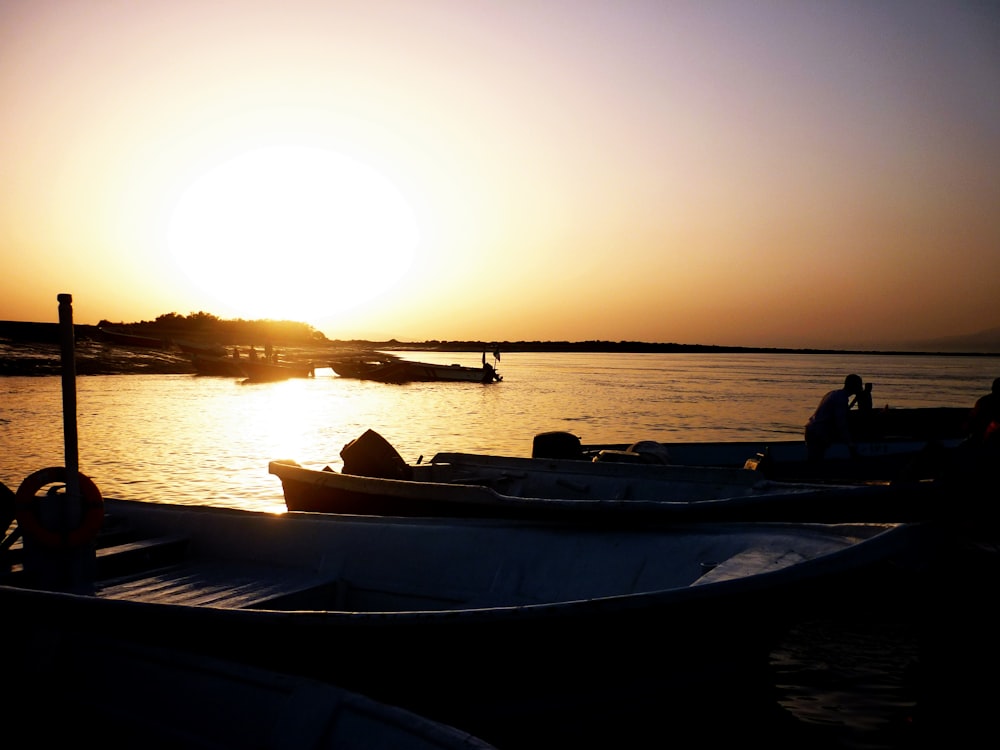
{"x": 828, "y": 424}
{"x": 983, "y": 424}
{"x": 863, "y": 400}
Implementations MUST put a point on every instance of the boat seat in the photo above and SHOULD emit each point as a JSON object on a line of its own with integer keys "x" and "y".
{"x": 749, "y": 562}
{"x": 228, "y": 585}
{"x": 118, "y": 560}
{"x": 132, "y": 557}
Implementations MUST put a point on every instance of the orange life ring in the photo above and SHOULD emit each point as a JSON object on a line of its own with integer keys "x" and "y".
{"x": 92, "y": 505}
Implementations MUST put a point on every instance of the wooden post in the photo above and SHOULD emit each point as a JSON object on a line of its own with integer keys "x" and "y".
{"x": 67, "y": 345}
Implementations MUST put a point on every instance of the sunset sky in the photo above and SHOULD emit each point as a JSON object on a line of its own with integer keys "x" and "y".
{"x": 789, "y": 174}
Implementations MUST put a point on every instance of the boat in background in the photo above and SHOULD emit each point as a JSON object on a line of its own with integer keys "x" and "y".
{"x": 192, "y": 348}
{"x": 226, "y": 367}
{"x": 375, "y": 480}
{"x": 395, "y": 370}
{"x": 249, "y": 369}
{"x": 263, "y": 371}
{"x": 891, "y": 445}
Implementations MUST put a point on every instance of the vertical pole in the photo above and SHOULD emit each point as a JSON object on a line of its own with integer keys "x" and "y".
{"x": 70, "y": 439}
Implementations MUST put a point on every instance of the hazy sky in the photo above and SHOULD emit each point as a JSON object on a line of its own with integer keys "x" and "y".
{"x": 739, "y": 173}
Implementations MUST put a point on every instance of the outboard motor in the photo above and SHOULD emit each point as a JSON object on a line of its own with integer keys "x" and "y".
{"x": 371, "y": 455}
{"x": 556, "y": 445}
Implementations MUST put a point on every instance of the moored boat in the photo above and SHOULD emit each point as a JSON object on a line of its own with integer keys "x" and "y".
{"x": 376, "y": 480}
{"x": 891, "y": 444}
{"x": 394, "y": 370}
{"x": 259, "y": 370}
{"x": 226, "y": 367}
{"x": 192, "y": 348}
{"x": 488, "y": 607}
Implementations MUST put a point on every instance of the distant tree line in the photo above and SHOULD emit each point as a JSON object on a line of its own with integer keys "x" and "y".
{"x": 203, "y": 326}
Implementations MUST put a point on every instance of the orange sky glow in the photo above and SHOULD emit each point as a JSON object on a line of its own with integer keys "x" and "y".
{"x": 746, "y": 174}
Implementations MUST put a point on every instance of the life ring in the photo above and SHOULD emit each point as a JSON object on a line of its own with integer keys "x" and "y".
{"x": 92, "y": 506}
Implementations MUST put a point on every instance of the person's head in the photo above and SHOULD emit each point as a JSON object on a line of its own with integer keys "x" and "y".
{"x": 868, "y": 387}
{"x": 996, "y": 385}
{"x": 852, "y": 383}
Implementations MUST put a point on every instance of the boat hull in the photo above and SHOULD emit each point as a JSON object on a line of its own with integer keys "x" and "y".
{"x": 225, "y": 367}
{"x": 565, "y": 491}
{"x": 405, "y": 371}
{"x": 474, "y": 623}
{"x": 260, "y": 371}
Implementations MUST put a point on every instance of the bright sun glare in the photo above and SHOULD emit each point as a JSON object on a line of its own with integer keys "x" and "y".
{"x": 293, "y": 233}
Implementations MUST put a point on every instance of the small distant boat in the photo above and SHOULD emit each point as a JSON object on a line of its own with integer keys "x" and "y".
{"x": 407, "y": 371}
{"x": 224, "y": 366}
{"x": 124, "y": 338}
{"x": 260, "y": 371}
{"x": 249, "y": 369}
{"x": 192, "y": 348}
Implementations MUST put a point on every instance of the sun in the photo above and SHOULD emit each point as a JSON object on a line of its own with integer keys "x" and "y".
{"x": 293, "y": 233}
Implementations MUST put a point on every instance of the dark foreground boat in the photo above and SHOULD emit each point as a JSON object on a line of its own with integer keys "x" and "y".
{"x": 477, "y": 623}
{"x": 108, "y": 692}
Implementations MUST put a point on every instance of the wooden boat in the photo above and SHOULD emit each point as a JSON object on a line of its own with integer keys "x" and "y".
{"x": 104, "y": 690}
{"x": 406, "y": 371}
{"x": 360, "y": 367}
{"x": 226, "y": 367}
{"x": 192, "y": 348}
{"x": 513, "y": 631}
{"x": 376, "y": 480}
{"x": 261, "y": 371}
{"x": 891, "y": 444}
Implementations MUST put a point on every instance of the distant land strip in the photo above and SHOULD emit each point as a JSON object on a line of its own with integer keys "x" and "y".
{"x": 256, "y": 333}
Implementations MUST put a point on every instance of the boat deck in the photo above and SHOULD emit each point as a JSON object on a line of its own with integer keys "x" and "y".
{"x": 155, "y": 570}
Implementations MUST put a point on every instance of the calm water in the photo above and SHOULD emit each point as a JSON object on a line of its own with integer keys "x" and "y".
{"x": 842, "y": 681}
{"x": 203, "y": 440}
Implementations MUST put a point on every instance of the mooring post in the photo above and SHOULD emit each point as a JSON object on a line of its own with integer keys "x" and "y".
{"x": 67, "y": 345}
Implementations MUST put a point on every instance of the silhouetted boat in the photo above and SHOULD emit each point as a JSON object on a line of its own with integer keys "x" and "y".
{"x": 510, "y": 630}
{"x": 227, "y": 367}
{"x": 192, "y": 348}
{"x": 260, "y": 370}
{"x": 406, "y": 371}
{"x": 891, "y": 444}
{"x": 376, "y": 480}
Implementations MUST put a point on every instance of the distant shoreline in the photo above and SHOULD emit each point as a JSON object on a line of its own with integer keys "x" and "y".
{"x": 48, "y": 333}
